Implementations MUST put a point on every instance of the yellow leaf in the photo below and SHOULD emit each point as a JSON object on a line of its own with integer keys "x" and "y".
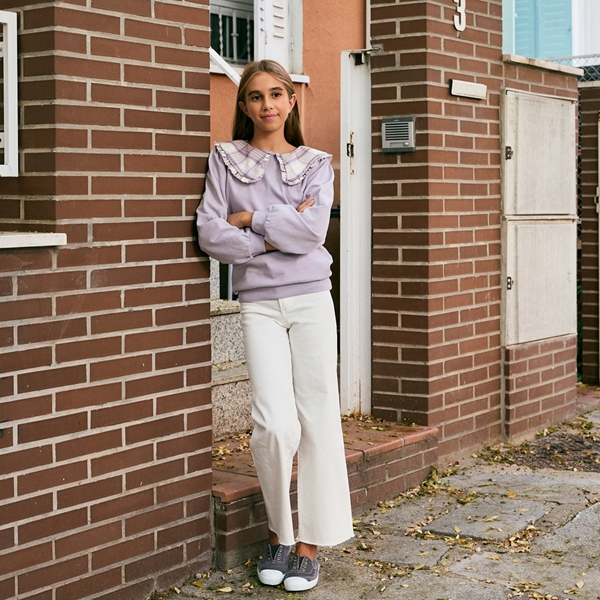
{"x": 524, "y": 510}
{"x": 511, "y": 495}
{"x": 423, "y": 553}
{"x": 580, "y": 584}
{"x": 198, "y": 584}
{"x": 457, "y": 529}
{"x": 383, "y": 511}
{"x": 404, "y": 585}
{"x": 490, "y": 519}
{"x": 421, "y": 566}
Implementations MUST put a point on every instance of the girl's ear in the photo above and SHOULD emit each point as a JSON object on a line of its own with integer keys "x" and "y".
{"x": 293, "y": 100}
{"x": 243, "y": 107}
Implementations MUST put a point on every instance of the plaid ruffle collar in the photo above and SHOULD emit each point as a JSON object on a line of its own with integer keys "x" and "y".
{"x": 247, "y": 163}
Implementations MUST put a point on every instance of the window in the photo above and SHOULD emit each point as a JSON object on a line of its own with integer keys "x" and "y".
{"x": 246, "y": 30}
{"x": 232, "y": 30}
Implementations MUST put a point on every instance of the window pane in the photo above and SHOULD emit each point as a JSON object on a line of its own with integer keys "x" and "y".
{"x": 227, "y": 25}
{"x": 245, "y": 40}
{"x": 215, "y": 42}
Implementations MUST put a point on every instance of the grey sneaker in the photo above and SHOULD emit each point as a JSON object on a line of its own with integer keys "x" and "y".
{"x": 303, "y": 574}
{"x": 273, "y": 565}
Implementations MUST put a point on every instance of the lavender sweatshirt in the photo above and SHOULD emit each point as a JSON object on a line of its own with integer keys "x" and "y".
{"x": 243, "y": 178}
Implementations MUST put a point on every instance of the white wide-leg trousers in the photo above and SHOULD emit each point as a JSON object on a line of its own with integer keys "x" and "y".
{"x": 291, "y": 351}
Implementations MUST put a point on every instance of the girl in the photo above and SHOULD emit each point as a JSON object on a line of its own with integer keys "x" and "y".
{"x": 266, "y": 209}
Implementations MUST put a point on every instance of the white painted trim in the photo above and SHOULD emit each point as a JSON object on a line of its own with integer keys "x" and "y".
{"x": 10, "y": 166}
{"x": 223, "y": 66}
{"x": 355, "y": 235}
{"x": 11, "y": 239}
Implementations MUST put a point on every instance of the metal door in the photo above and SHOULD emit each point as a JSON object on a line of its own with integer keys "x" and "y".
{"x": 355, "y": 235}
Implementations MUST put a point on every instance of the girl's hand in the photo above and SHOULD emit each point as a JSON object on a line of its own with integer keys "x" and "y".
{"x": 306, "y": 204}
{"x": 240, "y": 219}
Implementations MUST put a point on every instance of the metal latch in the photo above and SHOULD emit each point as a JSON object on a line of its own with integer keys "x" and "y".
{"x": 509, "y": 283}
{"x": 350, "y": 149}
{"x": 596, "y": 198}
{"x": 508, "y": 152}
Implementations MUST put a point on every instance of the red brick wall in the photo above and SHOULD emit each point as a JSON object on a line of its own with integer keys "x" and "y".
{"x": 588, "y": 267}
{"x": 105, "y": 469}
{"x": 541, "y": 380}
{"x": 437, "y": 230}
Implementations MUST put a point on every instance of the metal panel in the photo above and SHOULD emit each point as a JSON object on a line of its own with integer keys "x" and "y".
{"x": 540, "y": 155}
{"x": 541, "y": 272}
{"x": 355, "y": 234}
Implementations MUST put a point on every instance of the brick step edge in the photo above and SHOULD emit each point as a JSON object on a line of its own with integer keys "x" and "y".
{"x": 377, "y": 470}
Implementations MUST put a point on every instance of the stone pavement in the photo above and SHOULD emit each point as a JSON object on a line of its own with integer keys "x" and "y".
{"x": 482, "y": 532}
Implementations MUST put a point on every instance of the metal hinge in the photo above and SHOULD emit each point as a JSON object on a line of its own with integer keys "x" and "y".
{"x": 508, "y": 152}
{"x": 597, "y": 199}
{"x": 509, "y": 283}
{"x": 350, "y": 150}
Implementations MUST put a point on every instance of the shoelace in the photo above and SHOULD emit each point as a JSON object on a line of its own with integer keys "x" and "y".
{"x": 279, "y": 553}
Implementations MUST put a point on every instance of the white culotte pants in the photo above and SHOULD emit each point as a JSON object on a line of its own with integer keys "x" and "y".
{"x": 291, "y": 351}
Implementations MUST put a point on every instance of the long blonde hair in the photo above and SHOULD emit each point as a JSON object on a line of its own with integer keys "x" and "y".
{"x": 243, "y": 128}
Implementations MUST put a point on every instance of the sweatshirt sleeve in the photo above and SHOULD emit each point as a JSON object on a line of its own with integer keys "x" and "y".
{"x": 216, "y": 237}
{"x": 300, "y": 233}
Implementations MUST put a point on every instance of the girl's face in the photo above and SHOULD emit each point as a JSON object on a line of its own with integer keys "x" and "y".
{"x": 267, "y": 103}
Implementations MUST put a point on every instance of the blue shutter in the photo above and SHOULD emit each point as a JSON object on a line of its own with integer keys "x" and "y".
{"x": 525, "y": 28}
{"x": 543, "y": 28}
{"x": 554, "y": 38}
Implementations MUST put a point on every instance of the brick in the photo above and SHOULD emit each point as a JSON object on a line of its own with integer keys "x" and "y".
{"x": 51, "y": 378}
{"x": 124, "y": 504}
{"x": 154, "y": 474}
{"x": 52, "y": 330}
{"x": 122, "y": 552}
{"x": 120, "y": 139}
{"x": 139, "y": 342}
{"x": 98, "y": 348}
{"x": 85, "y": 587}
{"x": 88, "y": 492}
{"x": 88, "y": 396}
{"x": 52, "y": 526}
{"x": 120, "y": 367}
{"x": 121, "y": 413}
{"x": 49, "y": 428}
{"x": 152, "y": 520}
{"x": 90, "y": 538}
{"x": 181, "y": 488}
{"x": 153, "y": 31}
{"x": 115, "y": 48}
{"x": 26, "y": 359}
{"x": 25, "y": 558}
{"x": 125, "y": 459}
{"x": 153, "y": 76}
{"x": 121, "y": 321}
{"x": 51, "y": 282}
{"x": 24, "y": 509}
{"x": 52, "y": 477}
{"x": 153, "y": 384}
{"x": 88, "y": 444}
{"x": 158, "y": 562}
{"x": 57, "y": 572}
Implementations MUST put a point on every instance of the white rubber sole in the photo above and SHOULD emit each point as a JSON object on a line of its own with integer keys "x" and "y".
{"x": 298, "y": 584}
{"x": 271, "y": 577}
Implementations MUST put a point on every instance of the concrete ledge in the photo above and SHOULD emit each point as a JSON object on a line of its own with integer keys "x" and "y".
{"x": 383, "y": 460}
{"x": 542, "y": 64}
{"x": 14, "y": 240}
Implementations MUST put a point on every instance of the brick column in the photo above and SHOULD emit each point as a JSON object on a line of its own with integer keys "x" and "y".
{"x": 589, "y": 95}
{"x": 437, "y": 355}
{"x": 436, "y": 294}
{"x": 105, "y": 472}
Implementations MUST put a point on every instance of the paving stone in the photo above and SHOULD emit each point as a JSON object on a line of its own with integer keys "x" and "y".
{"x": 491, "y": 519}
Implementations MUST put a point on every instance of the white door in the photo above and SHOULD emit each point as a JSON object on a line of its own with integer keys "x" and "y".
{"x": 355, "y": 233}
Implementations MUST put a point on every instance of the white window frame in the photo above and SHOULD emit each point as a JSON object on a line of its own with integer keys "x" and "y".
{"x": 278, "y": 33}
{"x": 235, "y": 9}
{"x": 9, "y": 139}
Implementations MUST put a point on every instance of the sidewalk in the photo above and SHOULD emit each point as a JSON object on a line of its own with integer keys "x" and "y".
{"x": 484, "y": 532}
